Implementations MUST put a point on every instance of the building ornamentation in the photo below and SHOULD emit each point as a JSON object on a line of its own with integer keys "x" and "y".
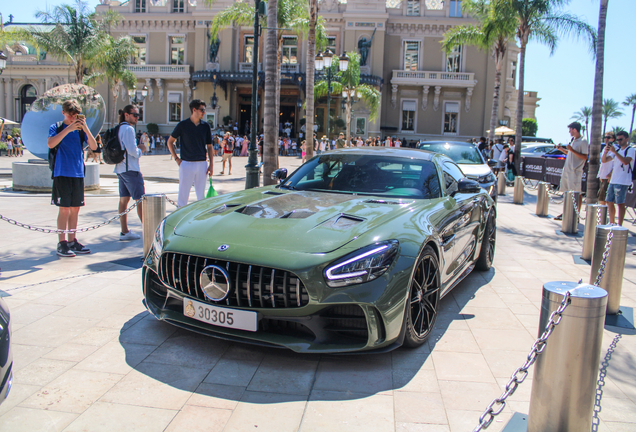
{"x": 151, "y": 92}
{"x": 425, "y": 97}
{"x": 416, "y": 29}
{"x": 160, "y": 83}
{"x": 394, "y": 89}
{"x": 469, "y": 95}
{"x": 186, "y": 83}
{"x": 438, "y": 90}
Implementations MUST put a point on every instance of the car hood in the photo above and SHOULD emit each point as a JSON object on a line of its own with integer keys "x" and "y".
{"x": 474, "y": 170}
{"x": 302, "y": 221}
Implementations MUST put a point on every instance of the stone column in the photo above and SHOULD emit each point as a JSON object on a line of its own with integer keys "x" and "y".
{"x": 151, "y": 92}
{"x": 425, "y": 97}
{"x": 8, "y": 110}
{"x": 438, "y": 91}
{"x": 2, "y": 93}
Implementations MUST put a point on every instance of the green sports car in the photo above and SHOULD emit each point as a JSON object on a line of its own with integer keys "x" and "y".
{"x": 351, "y": 252}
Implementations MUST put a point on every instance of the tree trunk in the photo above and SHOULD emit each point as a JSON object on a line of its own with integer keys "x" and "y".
{"x": 587, "y": 128}
{"x": 597, "y": 107}
{"x": 631, "y": 125}
{"x": 279, "y": 55}
{"x": 270, "y": 126}
{"x": 495, "y": 98}
{"x": 310, "y": 72}
{"x": 348, "y": 116}
{"x": 519, "y": 121}
{"x": 115, "y": 96}
{"x": 604, "y": 121}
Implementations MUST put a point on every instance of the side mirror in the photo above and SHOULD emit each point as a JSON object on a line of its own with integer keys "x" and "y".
{"x": 492, "y": 163}
{"x": 280, "y": 174}
{"x": 467, "y": 186}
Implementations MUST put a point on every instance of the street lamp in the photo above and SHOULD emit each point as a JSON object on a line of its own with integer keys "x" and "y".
{"x": 3, "y": 62}
{"x": 214, "y": 99}
{"x": 323, "y": 62}
{"x": 133, "y": 95}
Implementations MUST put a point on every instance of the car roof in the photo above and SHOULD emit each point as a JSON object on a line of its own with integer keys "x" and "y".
{"x": 457, "y": 143}
{"x": 401, "y": 152}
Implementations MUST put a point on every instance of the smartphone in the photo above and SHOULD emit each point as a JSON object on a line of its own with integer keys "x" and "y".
{"x": 81, "y": 116}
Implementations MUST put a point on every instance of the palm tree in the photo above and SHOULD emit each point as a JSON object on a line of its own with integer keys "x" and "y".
{"x": 611, "y": 110}
{"x": 631, "y": 101}
{"x": 348, "y": 83}
{"x": 595, "y": 145}
{"x": 270, "y": 112}
{"x": 496, "y": 29}
{"x": 617, "y": 129}
{"x": 541, "y": 20}
{"x": 310, "y": 72}
{"x": 110, "y": 65}
{"x": 584, "y": 115}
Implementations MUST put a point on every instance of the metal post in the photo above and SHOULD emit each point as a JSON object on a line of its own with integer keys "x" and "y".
{"x": 542, "y": 199}
{"x": 501, "y": 183}
{"x": 251, "y": 169}
{"x": 154, "y": 210}
{"x": 595, "y": 213}
{"x": 570, "y": 222}
{"x": 565, "y": 374}
{"x": 612, "y": 280}
{"x": 517, "y": 197}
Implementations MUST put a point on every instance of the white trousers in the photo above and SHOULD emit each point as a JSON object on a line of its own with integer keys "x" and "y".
{"x": 191, "y": 173}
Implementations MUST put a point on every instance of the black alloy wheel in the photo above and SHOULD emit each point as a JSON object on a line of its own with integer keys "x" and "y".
{"x": 487, "y": 253}
{"x": 423, "y": 299}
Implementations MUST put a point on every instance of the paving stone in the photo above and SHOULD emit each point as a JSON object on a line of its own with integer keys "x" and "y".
{"x": 267, "y": 412}
{"x": 108, "y": 417}
{"x": 276, "y": 375}
{"x": 116, "y": 357}
{"x": 42, "y": 371}
{"x": 216, "y": 396}
{"x": 28, "y": 420}
{"x": 199, "y": 419}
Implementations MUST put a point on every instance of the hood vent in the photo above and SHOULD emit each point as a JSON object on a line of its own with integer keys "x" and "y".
{"x": 378, "y": 201}
{"x": 297, "y": 214}
{"x": 273, "y": 193}
{"x": 345, "y": 222}
{"x": 223, "y": 208}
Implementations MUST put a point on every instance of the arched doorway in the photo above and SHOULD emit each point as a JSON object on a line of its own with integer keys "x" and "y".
{"x": 28, "y": 95}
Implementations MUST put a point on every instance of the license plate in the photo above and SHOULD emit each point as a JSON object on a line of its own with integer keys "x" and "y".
{"x": 218, "y": 316}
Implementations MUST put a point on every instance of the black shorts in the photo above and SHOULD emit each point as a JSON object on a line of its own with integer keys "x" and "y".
{"x": 68, "y": 192}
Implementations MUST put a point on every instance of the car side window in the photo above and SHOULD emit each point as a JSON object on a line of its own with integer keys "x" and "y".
{"x": 452, "y": 175}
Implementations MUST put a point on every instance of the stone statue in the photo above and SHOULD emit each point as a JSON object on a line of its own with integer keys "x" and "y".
{"x": 214, "y": 49}
{"x": 364, "y": 47}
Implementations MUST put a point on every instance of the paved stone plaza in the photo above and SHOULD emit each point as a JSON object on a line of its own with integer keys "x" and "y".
{"x": 88, "y": 357}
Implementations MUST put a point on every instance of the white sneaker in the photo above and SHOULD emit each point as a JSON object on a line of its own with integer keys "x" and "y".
{"x": 129, "y": 236}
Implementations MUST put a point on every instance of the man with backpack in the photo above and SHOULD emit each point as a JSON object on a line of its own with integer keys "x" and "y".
{"x": 196, "y": 141}
{"x": 66, "y": 160}
{"x": 622, "y": 175}
{"x": 131, "y": 182}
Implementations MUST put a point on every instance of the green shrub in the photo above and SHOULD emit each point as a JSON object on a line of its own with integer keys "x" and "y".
{"x": 152, "y": 128}
{"x": 529, "y": 127}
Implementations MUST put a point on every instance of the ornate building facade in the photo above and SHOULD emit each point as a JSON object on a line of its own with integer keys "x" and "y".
{"x": 426, "y": 94}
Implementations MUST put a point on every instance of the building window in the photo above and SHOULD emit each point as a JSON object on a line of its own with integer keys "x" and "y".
{"x": 413, "y": 7}
{"x": 456, "y": 8}
{"x": 140, "y": 56}
{"x": 361, "y": 126}
{"x": 177, "y": 50}
{"x": 408, "y": 115}
{"x": 178, "y": 6}
{"x": 248, "y": 50}
{"x": 411, "y": 52}
{"x": 454, "y": 60}
{"x": 140, "y": 6}
{"x": 451, "y": 118}
{"x": 331, "y": 43}
{"x": 140, "y": 105}
{"x": 174, "y": 107}
{"x": 290, "y": 49}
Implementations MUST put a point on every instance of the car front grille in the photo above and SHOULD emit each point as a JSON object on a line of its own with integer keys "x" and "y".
{"x": 252, "y": 286}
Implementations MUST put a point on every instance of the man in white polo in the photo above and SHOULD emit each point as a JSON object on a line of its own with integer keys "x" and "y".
{"x": 621, "y": 175}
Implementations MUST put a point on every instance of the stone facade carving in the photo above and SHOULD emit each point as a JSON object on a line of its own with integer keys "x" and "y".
{"x": 151, "y": 91}
{"x": 425, "y": 90}
{"x": 469, "y": 95}
{"x": 394, "y": 89}
{"x": 186, "y": 83}
{"x": 438, "y": 90}
{"x": 160, "y": 83}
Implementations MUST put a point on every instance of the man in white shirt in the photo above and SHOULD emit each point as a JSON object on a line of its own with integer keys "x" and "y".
{"x": 496, "y": 154}
{"x": 576, "y": 155}
{"x": 605, "y": 170}
{"x": 131, "y": 182}
{"x": 621, "y": 180}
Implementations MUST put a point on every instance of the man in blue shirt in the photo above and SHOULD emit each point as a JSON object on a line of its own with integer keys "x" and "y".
{"x": 68, "y": 174}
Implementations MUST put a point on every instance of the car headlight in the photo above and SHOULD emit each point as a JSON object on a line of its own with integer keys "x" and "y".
{"x": 362, "y": 265}
{"x": 488, "y": 178}
{"x": 157, "y": 241}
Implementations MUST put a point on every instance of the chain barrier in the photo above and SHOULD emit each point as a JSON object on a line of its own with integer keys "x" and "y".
{"x": 601, "y": 382}
{"x": 529, "y": 184}
{"x": 576, "y": 207}
{"x": 170, "y": 201}
{"x": 497, "y": 405}
{"x": 598, "y": 217}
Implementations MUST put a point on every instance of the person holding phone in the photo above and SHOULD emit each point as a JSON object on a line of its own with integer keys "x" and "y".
{"x": 68, "y": 174}
{"x": 576, "y": 155}
{"x": 621, "y": 180}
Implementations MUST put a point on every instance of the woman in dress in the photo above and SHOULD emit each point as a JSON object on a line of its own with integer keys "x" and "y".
{"x": 246, "y": 143}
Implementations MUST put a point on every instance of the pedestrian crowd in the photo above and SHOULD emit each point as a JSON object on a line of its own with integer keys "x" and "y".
{"x": 14, "y": 145}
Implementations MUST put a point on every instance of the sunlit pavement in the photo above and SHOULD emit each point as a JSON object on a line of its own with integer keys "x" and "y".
{"x": 87, "y": 355}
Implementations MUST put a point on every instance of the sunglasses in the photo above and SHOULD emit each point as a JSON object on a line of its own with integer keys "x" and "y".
{"x": 620, "y": 139}
{"x": 201, "y": 109}
{"x": 136, "y": 115}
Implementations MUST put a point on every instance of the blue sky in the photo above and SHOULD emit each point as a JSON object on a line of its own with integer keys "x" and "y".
{"x": 565, "y": 81}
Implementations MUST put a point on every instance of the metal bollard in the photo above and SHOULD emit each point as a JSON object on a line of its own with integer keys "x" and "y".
{"x": 565, "y": 374}
{"x": 612, "y": 280}
{"x": 570, "y": 222}
{"x": 517, "y": 197}
{"x": 542, "y": 199}
{"x": 501, "y": 183}
{"x": 595, "y": 213}
{"x": 154, "y": 210}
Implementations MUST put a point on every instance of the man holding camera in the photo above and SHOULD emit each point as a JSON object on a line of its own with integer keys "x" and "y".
{"x": 68, "y": 174}
{"x": 576, "y": 155}
{"x": 621, "y": 179}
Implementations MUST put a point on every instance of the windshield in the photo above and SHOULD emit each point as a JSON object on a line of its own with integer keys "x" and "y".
{"x": 367, "y": 175}
{"x": 460, "y": 154}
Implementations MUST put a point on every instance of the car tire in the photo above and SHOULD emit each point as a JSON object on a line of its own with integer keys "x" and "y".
{"x": 423, "y": 299}
{"x": 487, "y": 252}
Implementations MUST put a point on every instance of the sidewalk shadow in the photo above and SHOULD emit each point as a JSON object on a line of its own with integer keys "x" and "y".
{"x": 228, "y": 370}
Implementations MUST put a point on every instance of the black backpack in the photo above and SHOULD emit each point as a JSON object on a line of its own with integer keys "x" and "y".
{"x": 112, "y": 151}
{"x": 631, "y": 164}
{"x": 53, "y": 151}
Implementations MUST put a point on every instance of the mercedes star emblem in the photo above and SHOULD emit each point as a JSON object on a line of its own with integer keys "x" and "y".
{"x": 223, "y": 247}
{"x": 215, "y": 282}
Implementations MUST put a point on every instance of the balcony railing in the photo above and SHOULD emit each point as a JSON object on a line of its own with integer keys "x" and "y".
{"x": 433, "y": 78}
{"x": 160, "y": 71}
{"x": 248, "y": 67}
{"x": 289, "y": 67}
